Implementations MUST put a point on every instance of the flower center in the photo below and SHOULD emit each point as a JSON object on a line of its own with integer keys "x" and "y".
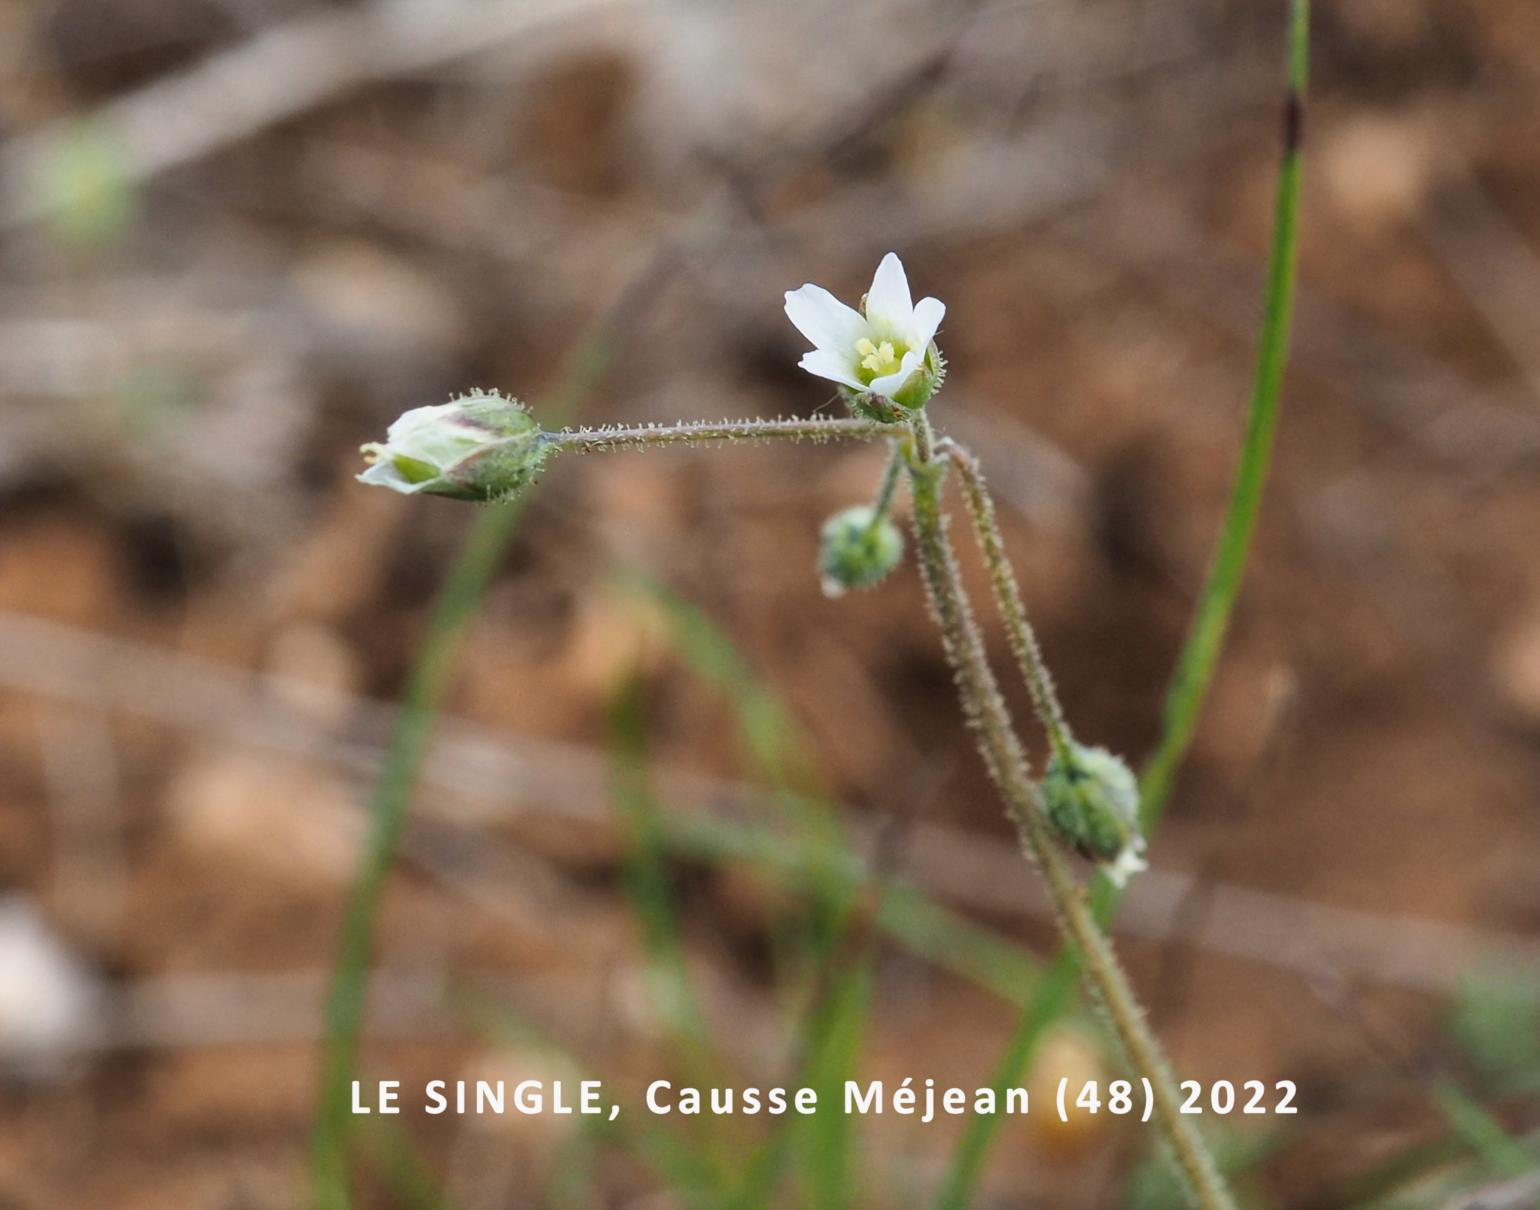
{"x": 878, "y": 360}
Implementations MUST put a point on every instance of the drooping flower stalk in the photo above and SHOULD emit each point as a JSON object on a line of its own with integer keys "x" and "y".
{"x": 860, "y": 545}
{"x": 1090, "y": 794}
{"x": 1023, "y": 639}
{"x": 1003, "y": 757}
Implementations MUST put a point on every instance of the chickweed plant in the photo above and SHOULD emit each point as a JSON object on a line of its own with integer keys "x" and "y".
{"x": 884, "y": 358}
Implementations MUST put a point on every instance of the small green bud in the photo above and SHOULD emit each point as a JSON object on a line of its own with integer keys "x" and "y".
{"x": 1092, "y": 800}
{"x": 480, "y": 447}
{"x": 858, "y": 550}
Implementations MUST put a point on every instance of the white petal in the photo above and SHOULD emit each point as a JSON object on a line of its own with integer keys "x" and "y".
{"x": 889, "y": 383}
{"x": 888, "y": 305}
{"x": 1129, "y": 862}
{"x": 435, "y": 435}
{"x": 928, "y": 314}
{"x": 384, "y": 474}
{"x": 823, "y": 319}
{"x": 826, "y": 363}
{"x": 415, "y": 421}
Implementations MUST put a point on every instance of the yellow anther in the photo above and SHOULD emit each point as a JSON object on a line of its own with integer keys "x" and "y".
{"x": 879, "y": 359}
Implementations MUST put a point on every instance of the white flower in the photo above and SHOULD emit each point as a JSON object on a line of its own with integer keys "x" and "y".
{"x": 482, "y": 447}
{"x": 886, "y": 349}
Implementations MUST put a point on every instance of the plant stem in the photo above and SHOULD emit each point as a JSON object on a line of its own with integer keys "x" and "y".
{"x": 1195, "y": 665}
{"x": 886, "y": 490}
{"x": 1007, "y": 593}
{"x": 634, "y": 437}
{"x": 1003, "y": 757}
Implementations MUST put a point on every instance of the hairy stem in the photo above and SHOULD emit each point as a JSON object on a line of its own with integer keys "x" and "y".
{"x": 1199, "y": 656}
{"x": 633, "y": 437}
{"x": 1023, "y": 639}
{"x": 1006, "y": 762}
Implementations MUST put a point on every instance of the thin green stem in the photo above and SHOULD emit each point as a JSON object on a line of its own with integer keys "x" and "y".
{"x": 1006, "y": 762}
{"x": 1007, "y": 593}
{"x": 692, "y": 432}
{"x": 1195, "y": 665}
{"x": 888, "y": 488}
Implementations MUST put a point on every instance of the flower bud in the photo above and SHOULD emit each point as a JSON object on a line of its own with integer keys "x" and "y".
{"x": 858, "y": 549}
{"x": 481, "y": 447}
{"x": 1092, "y": 800}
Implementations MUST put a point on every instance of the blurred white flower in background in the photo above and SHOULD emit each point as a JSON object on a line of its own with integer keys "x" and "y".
{"x": 885, "y": 349}
{"x": 51, "y": 1004}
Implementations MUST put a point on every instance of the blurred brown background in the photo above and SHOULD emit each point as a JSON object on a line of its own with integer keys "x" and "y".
{"x": 240, "y": 236}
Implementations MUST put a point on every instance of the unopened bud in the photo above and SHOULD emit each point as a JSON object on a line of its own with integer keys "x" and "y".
{"x": 481, "y": 447}
{"x": 858, "y": 550}
{"x": 1092, "y": 800}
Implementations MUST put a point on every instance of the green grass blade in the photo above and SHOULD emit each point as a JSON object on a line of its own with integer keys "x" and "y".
{"x": 648, "y": 882}
{"x": 963, "y": 1174}
{"x": 1475, "y": 1126}
{"x": 951, "y": 942}
{"x": 1199, "y": 655}
{"x": 835, "y": 962}
{"x": 1196, "y": 662}
{"x": 400, "y": 1167}
{"x": 676, "y": 1163}
{"x": 651, "y": 894}
{"x": 948, "y": 939}
{"x": 827, "y": 1138}
{"x": 775, "y": 741}
{"x": 457, "y": 604}
{"x": 571, "y": 1185}
{"x": 461, "y": 595}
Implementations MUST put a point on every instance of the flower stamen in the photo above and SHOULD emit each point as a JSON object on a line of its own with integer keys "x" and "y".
{"x": 881, "y": 358}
